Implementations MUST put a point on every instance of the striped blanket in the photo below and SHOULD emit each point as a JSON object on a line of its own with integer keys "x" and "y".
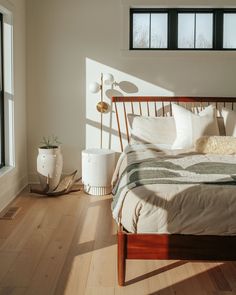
{"x": 147, "y": 164}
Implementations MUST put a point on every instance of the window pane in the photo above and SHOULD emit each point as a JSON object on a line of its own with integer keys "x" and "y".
{"x": 1, "y": 102}
{"x": 229, "y": 30}
{"x": 1, "y": 130}
{"x": 159, "y": 30}
{"x": 141, "y": 23}
{"x": 186, "y": 23}
{"x": 204, "y": 30}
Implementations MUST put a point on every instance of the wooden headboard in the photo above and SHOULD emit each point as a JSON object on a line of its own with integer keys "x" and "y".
{"x": 161, "y": 106}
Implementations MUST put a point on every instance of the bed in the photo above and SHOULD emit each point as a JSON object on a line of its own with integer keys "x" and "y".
{"x": 172, "y": 204}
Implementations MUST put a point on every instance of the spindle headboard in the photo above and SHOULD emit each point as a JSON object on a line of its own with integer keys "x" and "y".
{"x": 161, "y": 106}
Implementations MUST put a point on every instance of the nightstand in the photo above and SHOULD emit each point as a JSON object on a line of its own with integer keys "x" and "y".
{"x": 98, "y": 166}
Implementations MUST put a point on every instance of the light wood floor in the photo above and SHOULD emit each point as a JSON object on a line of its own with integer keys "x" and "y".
{"x": 67, "y": 245}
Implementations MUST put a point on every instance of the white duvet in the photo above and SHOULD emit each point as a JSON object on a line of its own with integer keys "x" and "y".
{"x": 195, "y": 208}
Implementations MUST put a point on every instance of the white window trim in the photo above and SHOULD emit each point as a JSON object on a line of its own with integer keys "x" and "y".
{"x": 6, "y": 8}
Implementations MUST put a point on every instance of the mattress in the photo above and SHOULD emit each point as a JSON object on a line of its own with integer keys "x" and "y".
{"x": 157, "y": 190}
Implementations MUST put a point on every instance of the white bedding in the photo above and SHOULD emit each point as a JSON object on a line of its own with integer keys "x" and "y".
{"x": 185, "y": 208}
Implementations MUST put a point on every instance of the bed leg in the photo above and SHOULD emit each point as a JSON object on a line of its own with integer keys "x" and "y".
{"x": 121, "y": 259}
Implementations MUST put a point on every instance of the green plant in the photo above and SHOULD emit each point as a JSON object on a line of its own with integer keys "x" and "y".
{"x": 50, "y": 142}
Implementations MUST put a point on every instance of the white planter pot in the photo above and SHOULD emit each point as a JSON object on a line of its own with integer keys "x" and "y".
{"x": 49, "y": 164}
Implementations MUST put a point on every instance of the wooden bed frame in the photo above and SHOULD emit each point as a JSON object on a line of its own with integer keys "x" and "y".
{"x": 168, "y": 246}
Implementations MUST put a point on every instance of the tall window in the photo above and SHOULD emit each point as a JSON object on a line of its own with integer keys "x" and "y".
{"x": 2, "y": 137}
{"x": 184, "y": 29}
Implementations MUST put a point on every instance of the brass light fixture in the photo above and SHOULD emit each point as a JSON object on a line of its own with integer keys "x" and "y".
{"x": 102, "y": 106}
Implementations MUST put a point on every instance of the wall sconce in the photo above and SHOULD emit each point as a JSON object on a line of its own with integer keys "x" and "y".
{"x": 102, "y": 106}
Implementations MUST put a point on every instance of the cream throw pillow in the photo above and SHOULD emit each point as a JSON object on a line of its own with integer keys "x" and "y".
{"x": 190, "y": 127}
{"x": 223, "y": 145}
{"x": 229, "y": 121}
{"x": 156, "y": 130}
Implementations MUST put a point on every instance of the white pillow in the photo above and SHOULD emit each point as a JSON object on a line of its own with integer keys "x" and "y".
{"x": 190, "y": 127}
{"x": 229, "y": 121}
{"x": 156, "y": 130}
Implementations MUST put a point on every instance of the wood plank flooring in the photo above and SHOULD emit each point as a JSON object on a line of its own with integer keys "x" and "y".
{"x": 67, "y": 245}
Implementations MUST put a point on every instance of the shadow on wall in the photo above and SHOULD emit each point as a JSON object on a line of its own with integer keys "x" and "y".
{"x": 183, "y": 73}
{"x": 124, "y": 85}
{"x": 128, "y": 88}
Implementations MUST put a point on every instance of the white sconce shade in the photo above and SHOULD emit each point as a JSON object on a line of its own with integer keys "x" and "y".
{"x": 94, "y": 87}
{"x": 108, "y": 79}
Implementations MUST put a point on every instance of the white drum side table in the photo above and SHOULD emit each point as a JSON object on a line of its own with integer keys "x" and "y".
{"x": 98, "y": 166}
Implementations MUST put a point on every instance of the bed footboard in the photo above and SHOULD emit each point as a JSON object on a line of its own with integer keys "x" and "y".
{"x": 121, "y": 257}
{"x": 172, "y": 247}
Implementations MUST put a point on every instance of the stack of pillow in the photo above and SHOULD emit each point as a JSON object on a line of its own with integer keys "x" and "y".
{"x": 185, "y": 129}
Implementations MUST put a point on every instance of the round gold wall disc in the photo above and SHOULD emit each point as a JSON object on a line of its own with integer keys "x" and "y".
{"x": 102, "y": 107}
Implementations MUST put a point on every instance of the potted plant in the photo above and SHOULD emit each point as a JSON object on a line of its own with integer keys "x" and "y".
{"x": 49, "y": 162}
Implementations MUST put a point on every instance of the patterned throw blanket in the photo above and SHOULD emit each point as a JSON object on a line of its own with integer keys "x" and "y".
{"x": 145, "y": 166}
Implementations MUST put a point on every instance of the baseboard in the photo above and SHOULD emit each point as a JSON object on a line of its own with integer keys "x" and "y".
{"x": 10, "y": 194}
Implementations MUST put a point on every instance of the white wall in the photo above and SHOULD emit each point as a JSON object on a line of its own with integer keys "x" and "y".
{"x": 70, "y": 42}
{"x": 11, "y": 182}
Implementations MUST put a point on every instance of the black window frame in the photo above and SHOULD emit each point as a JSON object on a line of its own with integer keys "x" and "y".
{"x": 172, "y": 33}
{"x": 147, "y": 10}
{"x": 201, "y": 11}
{"x": 2, "y": 137}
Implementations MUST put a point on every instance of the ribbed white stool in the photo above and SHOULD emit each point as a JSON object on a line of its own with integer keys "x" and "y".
{"x": 98, "y": 166}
